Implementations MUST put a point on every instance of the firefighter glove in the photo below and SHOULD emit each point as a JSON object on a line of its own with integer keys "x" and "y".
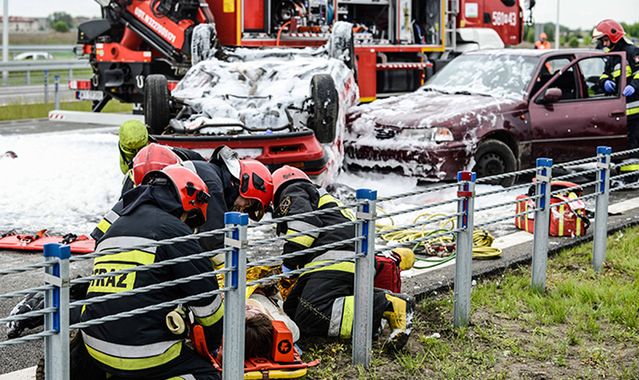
{"x": 628, "y": 91}
{"x": 609, "y": 86}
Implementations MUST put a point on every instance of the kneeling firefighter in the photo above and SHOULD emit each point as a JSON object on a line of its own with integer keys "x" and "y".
{"x": 234, "y": 185}
{"x": 322, "y": 301}
{"x": 168, "y": 203}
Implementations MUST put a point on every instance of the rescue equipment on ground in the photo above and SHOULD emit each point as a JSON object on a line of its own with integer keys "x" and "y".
{"x": 24, "y": 242}
{"x": 388, "y": 268}
{"x": 568, "y": 214}
{"x": 438, "y": 250}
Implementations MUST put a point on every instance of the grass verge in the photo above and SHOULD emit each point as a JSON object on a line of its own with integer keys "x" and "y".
{"x": 41, "y": 110}
{"x": 584, "y": 326}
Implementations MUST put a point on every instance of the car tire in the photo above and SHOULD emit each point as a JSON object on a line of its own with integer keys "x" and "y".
{"x": 325, "y": 109}
{"x": 156, "y": 103}
{"x": 494, "y": 157}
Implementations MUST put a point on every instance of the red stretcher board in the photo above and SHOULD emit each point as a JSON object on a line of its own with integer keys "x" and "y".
{"x": 22, "y": 242}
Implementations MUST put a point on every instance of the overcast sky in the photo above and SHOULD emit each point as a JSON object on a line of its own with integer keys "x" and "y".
{"x": 574, "y": 13}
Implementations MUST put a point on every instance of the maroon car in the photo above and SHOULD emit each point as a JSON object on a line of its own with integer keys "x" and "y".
{"x": 493, "y": 112}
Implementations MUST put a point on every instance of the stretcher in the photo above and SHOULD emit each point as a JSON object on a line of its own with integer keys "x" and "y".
{"x": 285, "y": 363}
{"x": 79, "y": 244}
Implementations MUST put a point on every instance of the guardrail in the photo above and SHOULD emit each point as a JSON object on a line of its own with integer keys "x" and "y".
{"x": 240, "y": 253}
{"x": 46, "y": 48}
{"x": 30, "y": 68}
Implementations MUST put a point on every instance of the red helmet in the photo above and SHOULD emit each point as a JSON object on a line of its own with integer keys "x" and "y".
{"x": 287, "y": 174}
{"x": 256, "y": 183}
{"x": 609, "y": 28}
{"x": 152, "y": 157}
{"x": 192, "y": 191}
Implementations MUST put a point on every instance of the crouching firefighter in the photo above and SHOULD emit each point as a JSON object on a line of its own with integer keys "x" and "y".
{"x": 168, "y": 203}
{"x": 611, "y": 35}
{"x": 322, "y": 301}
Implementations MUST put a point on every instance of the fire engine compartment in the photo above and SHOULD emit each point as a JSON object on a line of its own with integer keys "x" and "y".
{"x": 375, "y": 21}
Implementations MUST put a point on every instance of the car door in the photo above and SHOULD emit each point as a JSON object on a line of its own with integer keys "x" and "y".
{"x": 583, "y": 117}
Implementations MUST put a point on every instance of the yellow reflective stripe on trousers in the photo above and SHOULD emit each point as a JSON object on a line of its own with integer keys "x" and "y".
{"x": 135, "y": 363}
{"x": 578, "y": 226}
{"x": 629, "y": 168}
{"x": 212, "y": 319}
{"x": 348, "y": 267}
{"x": 632, "y": 108}
{"x": 303, "y": 240}
{"x": 342, "y": 313}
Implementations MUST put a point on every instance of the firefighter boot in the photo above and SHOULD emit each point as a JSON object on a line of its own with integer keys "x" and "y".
{"x": 399, "y": 314}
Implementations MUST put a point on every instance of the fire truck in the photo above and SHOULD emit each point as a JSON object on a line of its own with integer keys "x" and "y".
{"x": 396, "y": 44}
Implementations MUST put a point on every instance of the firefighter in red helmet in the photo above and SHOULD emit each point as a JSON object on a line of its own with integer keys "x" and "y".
{"x": 611, "y": 36}
{"x": 168, "y": 204}
{"x": 321, "y": 301}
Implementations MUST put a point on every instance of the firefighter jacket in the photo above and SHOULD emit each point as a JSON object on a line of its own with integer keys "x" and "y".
{"x": 303, "y": 197}
{"x": 221, "y": 188}
{"x": 632, "y": 74}
{"x": 149, "y": 214}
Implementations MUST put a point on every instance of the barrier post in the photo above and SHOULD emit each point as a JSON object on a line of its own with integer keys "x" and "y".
{"x": 600, "y": 237}
{"x": 56, "y": 92}
{"x": 364, "y": 278}
{"x": 235, "y": 297}
{"x": 464, "y": 248}
{"x": 56, "y": 347}
{"x": 542, "y": 220}
{"x": 46, "y": 86}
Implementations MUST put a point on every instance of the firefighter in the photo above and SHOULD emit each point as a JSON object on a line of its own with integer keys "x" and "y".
{"x": 168, "y": 204}
{"x": 322, "y": 301}
{"x": 234, "y": 185}
{"x": 611, "y": 35}
{"x": 542, "y": 42}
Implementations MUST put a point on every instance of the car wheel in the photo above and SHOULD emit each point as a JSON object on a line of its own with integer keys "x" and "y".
{"x": 156, "y": 103}
{"x": 493, "y": 157}
{"x": 325, "y": 109}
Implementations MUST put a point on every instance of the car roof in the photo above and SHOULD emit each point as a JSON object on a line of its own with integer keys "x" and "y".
{"x": 536, "y": 52}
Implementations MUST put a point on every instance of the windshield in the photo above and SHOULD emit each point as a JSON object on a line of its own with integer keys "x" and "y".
{"x": 497, "y": 75}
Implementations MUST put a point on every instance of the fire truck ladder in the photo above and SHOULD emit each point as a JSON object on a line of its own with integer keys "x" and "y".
{"x": 452, "y": 10}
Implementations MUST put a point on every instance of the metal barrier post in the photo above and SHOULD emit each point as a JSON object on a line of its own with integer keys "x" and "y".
{"x": 464, "y": 249}
{"x": 46, "y": 86}
{"x": 601, "y": 209}
{"x": 235, "y": 297}
{"x": 542, "y": 219}
{"x": 364, "y": 278}
{"x": 56, "y": 347}
{"x": 28, "y": 78}
{"x": 56, "y": 92}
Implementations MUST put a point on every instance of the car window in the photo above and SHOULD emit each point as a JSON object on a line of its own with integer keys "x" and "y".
{"x": 498, "y": 74}
{"x": 591, "y": 71}
{"x": 547, "y": 70}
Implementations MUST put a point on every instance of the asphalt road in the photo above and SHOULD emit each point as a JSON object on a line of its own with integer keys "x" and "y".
{"x": 26, "y": 355}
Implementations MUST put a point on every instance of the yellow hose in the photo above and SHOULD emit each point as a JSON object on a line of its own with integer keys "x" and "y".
{"x": 482, "y": 239}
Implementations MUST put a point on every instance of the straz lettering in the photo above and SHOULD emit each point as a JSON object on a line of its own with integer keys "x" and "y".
{"x": 112, "y": 284}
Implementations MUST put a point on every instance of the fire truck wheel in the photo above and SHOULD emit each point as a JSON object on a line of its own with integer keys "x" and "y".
{"x": 202, "y": 42}
{"x": 156, "y": 103}
{"x": 494, "y": 157}
{"x": 325, "y": 110}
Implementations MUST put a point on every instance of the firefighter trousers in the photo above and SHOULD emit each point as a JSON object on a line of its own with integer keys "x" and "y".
{"x": 633, "y": 135}
{"x": 325, "y": 306}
